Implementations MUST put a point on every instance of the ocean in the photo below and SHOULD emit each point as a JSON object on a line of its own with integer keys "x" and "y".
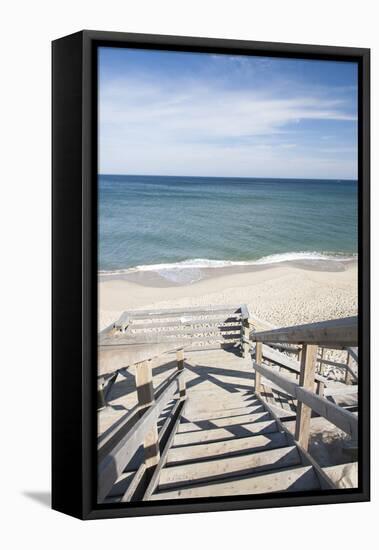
{"x": 177, "y": 225}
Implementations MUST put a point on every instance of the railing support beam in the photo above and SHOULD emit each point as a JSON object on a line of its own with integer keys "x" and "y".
{"x": 182, "y": 382}
{"x": 307, "y": 381}
{"x": 258, "y": 360}
{"x": 348, "y": 377}
{"x": 145, "y": 393}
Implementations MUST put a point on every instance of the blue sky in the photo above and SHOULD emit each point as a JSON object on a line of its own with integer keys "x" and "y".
{"x": 179, "y": 113}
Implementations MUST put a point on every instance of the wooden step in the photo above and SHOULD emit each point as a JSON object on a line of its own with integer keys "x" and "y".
{"x": 229, "y": 448}
{"x": 301, "y": 478}
{"x": 221, "y": 434}
{"x": 223, "y": 422}
{"x": 238, "y": 466}
{"x": 206, "y": 405}
{"x": 210, "y": 415}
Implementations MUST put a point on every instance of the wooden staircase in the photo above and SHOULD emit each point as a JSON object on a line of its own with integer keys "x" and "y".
{"x": 237, "y": 450}
{"x": 211, "y": 421}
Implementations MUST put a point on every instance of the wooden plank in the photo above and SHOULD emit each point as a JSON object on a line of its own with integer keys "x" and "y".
{"x": 135, "y": 484}
{"x": 170, "y": 325}
{"x": 178, "y": 312}
{"x": 295, "y": 479}
{"x": 111, "y": 467}
{"x": 157, "y": 473}
{"x": 223, "y": 413}
{"x": 307, "y": 378}
{"x": 136, "y": 333}
{"x": 224, "y": 468}
{"x": 211, "y": 403}
{"x": 145, "y": 394}
{"x": 221, "y": 434}
{"x": 341, "y": 418}
{"x": 186, "y": 336}
{"x": 339, "y": 331}
{"x": 353, "y": 352}
{"x": 168, "y": 420}
{"x": 180, "y": 365}
{"x": 223, "y": 422}
{"x": 349, "y": 376}
{"x": 306, "y": 458}
{"x": 286, "y": 362}
{"x": 290, "y": 348}
{"x": 258, "y": 360}
{"x": 229, "y": 448}
{"x": 116, "y": 357}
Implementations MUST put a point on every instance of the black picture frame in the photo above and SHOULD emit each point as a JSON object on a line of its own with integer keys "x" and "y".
{"x": 74, "y": 271}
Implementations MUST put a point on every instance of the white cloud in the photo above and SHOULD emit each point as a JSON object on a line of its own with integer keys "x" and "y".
{"x": 194, "y": 129}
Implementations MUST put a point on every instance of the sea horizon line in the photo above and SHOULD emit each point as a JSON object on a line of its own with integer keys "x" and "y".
{"x": 274, "y": 178}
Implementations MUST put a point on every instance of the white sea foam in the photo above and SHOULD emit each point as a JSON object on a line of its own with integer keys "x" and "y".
{"x": 190, "y": 270}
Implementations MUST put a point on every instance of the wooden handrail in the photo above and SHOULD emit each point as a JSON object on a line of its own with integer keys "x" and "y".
{"x": 342, "y": 332}
{"x": 112, "y": 358}
{"x": 111, "y": 467}
{"x": 128, "y": 342}
{"x": 345, "y": 420}
{"x": 286, "y": 362}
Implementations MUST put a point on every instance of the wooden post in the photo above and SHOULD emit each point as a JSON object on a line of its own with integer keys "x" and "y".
{"x": 145, "y": 393}
{"x": 246, "y": 337}
{"x": 101, "y": 403}
{"x": 245, "y": 331}
{"x": 322, "y": 369}
{"x": 348, "y": 377}
{"x": 182, "y": 382}
{"x": 307, "y": 381}
{"x": 258, "y": 360}
{"x": 320, "y": 388}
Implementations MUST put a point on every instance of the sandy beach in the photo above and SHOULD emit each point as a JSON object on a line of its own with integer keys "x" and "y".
{"x": 281, "y": 294}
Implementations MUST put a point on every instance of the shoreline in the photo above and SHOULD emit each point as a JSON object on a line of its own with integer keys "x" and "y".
{"x": 279, "y": 294}
{"x": 181, "y": 274}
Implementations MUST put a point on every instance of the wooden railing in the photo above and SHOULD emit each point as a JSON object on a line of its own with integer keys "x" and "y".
{"x": 144, "y": 431}
{"x": 137, "y": 339}
{"x": 338, "y": 334}
{"x": 137, "y": 335}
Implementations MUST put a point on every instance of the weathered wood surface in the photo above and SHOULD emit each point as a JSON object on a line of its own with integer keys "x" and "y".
{"x": 344, "y": 420}
{"x": 188, "y": 313}
{"x": 286, "y": 362}
{"x": 140, "y": 335}
{"x": 258, "y": 360}
{"x": 342, "y": 332}
{"x": 224, "y": 468}
{"x": 226, "y": 449}
{"x": 114, "y": 463}
{"x": 157, "y": 473}
{"x": 305, "y": 457}
{"x": 146, "y": 400}
{"x": 213, "y": 321}
{"x": 217, "y": 379}
{"x": 225, "y": 422}
{"x": 226, "y": 443}
{"x": 307, "y": 378}
{"x": 294, "y": 479}
{"x": 115, "y": 357}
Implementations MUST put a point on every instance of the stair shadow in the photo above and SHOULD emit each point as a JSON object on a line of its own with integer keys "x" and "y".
{"x": 210, "y": 425}
{"x": 238, "y": 431}
{"x": 204, "y": 374}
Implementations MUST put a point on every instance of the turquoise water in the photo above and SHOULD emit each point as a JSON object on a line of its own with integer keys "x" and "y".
{"x": 154, "y": 220}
